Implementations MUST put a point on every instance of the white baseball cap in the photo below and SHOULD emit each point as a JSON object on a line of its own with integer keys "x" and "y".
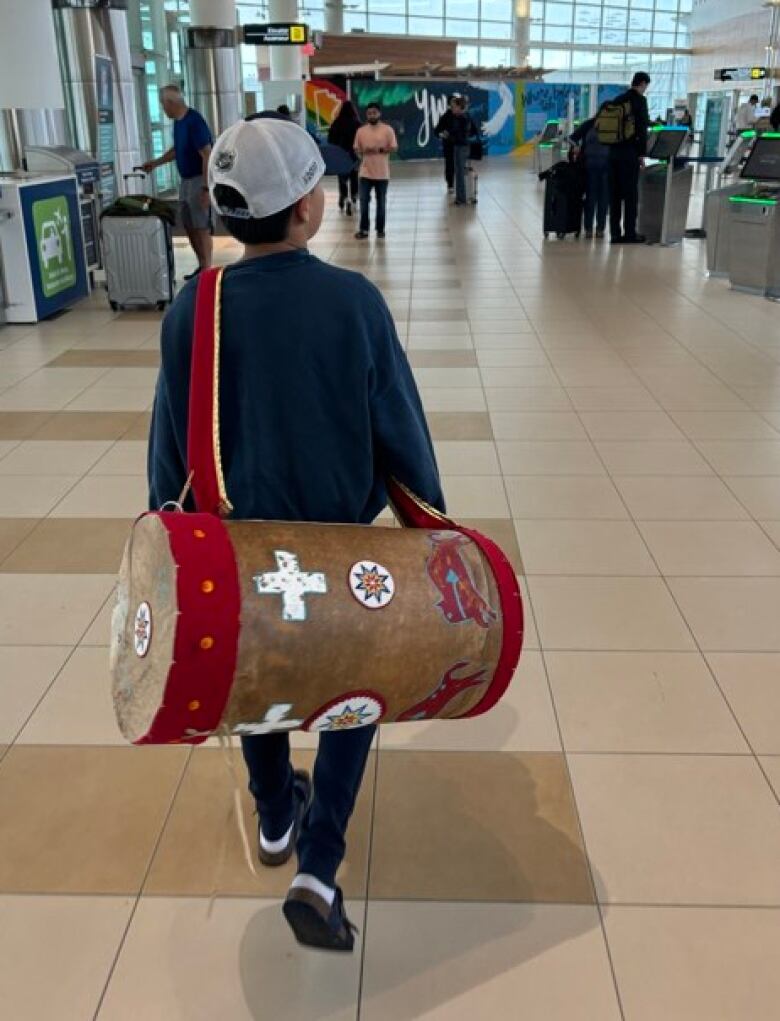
{"x": 270, "y": 161}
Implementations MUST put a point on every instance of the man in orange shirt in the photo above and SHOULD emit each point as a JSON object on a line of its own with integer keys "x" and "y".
{"x": 373, "y": 143}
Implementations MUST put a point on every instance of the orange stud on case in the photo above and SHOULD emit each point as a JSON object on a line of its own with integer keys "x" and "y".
{"x": 199, "y": 533}
{"x": 207, "y": 642}
{"x": 207, "y": 586}
{"x": 194, "y": 705}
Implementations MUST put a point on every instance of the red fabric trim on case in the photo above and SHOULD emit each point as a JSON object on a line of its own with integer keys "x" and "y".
{"x": 511, "y": 617}
{"x": 207, "y": 628}
{"x": 203, "y": 397}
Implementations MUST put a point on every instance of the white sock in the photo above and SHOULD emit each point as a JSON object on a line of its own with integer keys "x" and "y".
{"x": 274, "y": 846}
{"x": 303, "y": 881}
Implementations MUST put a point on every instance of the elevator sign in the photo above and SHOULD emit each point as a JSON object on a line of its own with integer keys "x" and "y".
{"x": 277, "y": 34}
{"x": 740, "y": 74}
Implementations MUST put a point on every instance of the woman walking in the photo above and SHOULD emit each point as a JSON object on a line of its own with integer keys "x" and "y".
{"x": 342, "y": 133}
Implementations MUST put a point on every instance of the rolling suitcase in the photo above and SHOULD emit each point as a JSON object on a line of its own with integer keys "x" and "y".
{"x": 138, "y": 261}
{"x": 563, "y": 200}
{"x": 472, "y": 185}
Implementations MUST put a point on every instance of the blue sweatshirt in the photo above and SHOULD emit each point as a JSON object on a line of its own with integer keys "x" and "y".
{"x": 318, "y": 403}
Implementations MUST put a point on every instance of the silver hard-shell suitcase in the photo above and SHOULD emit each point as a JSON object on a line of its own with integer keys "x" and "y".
{"x": 472, "y": 184}
{"x": 138, "y": 260}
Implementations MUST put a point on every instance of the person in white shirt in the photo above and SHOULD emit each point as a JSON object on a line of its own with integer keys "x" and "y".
{"x": 747, "y": 114}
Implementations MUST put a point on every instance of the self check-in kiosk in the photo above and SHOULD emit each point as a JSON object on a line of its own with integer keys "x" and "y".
{"x": 754, "y": 250}
{"x": 665, "y": 188}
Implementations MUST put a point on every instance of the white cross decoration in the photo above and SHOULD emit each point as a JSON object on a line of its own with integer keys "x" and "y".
{"x": 291, "y": 583}
{"x": 275, "y": 719}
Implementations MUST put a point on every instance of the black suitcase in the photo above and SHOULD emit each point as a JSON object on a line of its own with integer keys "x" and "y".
{"x": 563, "y": 200}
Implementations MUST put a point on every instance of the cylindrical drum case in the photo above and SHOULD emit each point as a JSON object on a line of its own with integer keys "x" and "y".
{"x": 259, "y": 626}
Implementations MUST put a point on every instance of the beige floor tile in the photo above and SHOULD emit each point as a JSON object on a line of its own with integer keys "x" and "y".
{"x": 514, "y": 358}
{"x": 29, "y": 496}
{"x": 465, "y": 399}
{"x": 98, "y": 833}
{"x": 630, "y": 425}
{"x": 759, "y": 495}
{"x": 572, "y": 497}
{"x": 679, "y": 829}
{"x": 447, "y": 378}
{"x": 86, "y": 425}
{"x": 109, "y": 358}
{"x": 712, "y": 548}
{"x": 441, "y": 342}
{"x": 772, "y": 529}
{"x": 139, "y": 427}
{"x": 422, "y": 359}
{"x": 522, "y": 721}
{"x": 737, "y": 616}
{"x": 467, "y": 425}
{"x": 467, "y": 457}
{"x": 185, "y": 962}
{"x": 12, "y": 532}
{"x": 49, "y": 457}
{"x": 536, "y": 425}
{"x": 738, "y": 457}
{"x": 113, "y": 398}
{"x": 127, "y": 457}
{"x": 724, "y": 425}
{"x": 511, "y": 812}
{"x": 751, "y": 683}
{"x": 608, "y": 614}
{"x": 640, "y": 702}
{"x": 518, "y": 377}
{"x": 77, "y": 709}
{"x": 70, "y": 546}
{"x": 475, "y": 496}
{"x": 188, "y": 865}
{"x": 665, "y": 498}
{"x": 652, "y": 457}
{"x": 130, "y": 377}
{"x": 105, "y": 496}
{"x": 695, "y": 964}
{"x": 455, "y": 962}
{"x": 583, "y": 547}
{"x": 25, "y": 674}
{"x": 608, "y": 398}
{"x": 44, "y": 609}
{"x": 771, "y": 765}
{"x": 58, "y": 950}
{"x": 527, "y": 398}
{"x": 99, "y": 631}
{"x": 549, "y": 457}
{"x": 20, "y": 425}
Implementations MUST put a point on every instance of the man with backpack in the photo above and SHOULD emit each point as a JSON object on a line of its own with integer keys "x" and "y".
{"x": 623, "y": 124}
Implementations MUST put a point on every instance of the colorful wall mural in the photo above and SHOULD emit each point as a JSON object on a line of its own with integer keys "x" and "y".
{"x": 510, "y": 113}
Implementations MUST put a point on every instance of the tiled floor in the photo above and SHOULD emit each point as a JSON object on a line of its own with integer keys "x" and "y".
{"x": 605, "y": 844}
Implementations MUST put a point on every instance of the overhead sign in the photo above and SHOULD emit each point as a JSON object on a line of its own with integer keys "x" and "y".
{"x": 276, "y": 34}
{"x": 740, "y": 74}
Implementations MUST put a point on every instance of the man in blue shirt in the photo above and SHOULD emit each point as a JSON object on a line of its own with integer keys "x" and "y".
{"x": 192, "y": 141}
{"x": 318, "y": 408}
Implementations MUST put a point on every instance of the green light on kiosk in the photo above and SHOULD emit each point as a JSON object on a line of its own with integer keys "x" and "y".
{"x": 748, "y": 134}
{"x": 546, "y": 145}
{"x": 743, "y": 200}
{"x": 770, "y": 134}
{"x": 553, "y": 122}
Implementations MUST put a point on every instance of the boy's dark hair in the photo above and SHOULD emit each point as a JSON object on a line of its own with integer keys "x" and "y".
{"x": 284, "y": 109}
{"x": 246, "y": 229}
{"x": 640, "y": 78}
{"x": 754, "y": 99}
{"x": 374, "y": 106}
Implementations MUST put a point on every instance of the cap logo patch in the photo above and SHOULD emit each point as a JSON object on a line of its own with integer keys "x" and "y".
{"x": 309, "y": 172}
{"x": 225, "y": 160}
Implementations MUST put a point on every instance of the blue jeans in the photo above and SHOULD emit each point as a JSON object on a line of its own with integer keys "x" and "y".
{"x": 338, "y": 773}
{"x": 461, "y": 157}
{"x": 380, "y": 187}
{"x": 597, "y": 197}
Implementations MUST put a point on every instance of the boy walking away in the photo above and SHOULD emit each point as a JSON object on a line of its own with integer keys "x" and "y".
{"x": 318, "y": 408}
{"x": 623, "y": 125}
{"x": 595, "y": 157}
{"x": 443, "y": 132}
{"x": 462, "y": 133}
{"x": 342, "y": 133}
{"x": 374, "y": 143}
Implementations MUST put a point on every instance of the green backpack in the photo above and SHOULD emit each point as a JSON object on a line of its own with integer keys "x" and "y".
{"x": 615, "y": 123}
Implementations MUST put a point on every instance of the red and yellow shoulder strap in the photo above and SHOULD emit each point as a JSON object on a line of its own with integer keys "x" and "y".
{"x": 204, "y": 456}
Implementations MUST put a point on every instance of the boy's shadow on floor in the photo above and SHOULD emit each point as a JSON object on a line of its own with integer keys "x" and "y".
{"x": 468, "y": 848}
